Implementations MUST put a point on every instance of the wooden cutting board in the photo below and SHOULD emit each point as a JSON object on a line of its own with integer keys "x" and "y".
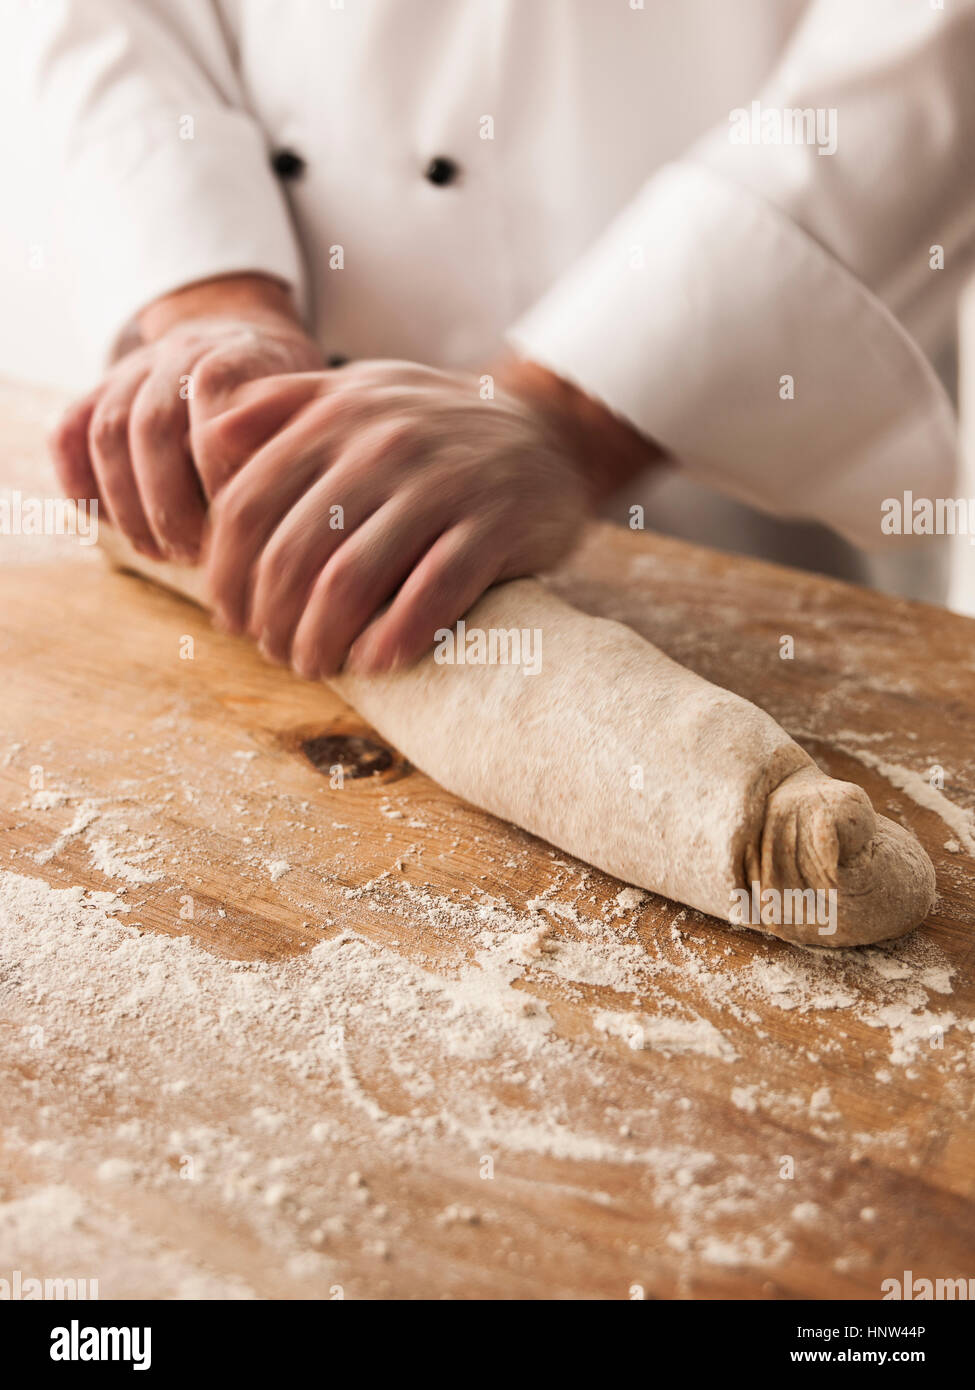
{"x": 527, "y": 1084}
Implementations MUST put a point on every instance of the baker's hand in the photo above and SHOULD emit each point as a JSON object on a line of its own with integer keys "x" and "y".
{"x": 391, "y": 484}
{"x": 127, "y": 443}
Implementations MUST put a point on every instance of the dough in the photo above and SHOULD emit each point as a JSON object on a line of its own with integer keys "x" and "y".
{"x": 623, "y": 758}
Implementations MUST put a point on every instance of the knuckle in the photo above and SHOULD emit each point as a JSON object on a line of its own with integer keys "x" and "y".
{"x": 167, "y": 521}
{"x": 340, "y": 579}
{"x": 304, "y": 653}
{"x": 216, "y": 374}
{"x": 396, "y": 436}
{"x": 223, "y": 434}
{"x": 215, "y": 454}
{"x": 62, "y": 436}
{"x": 72, "y": 476}
{"x": 335, "y": 409}
{"x": 239, "y": 511}
{"x": 273, "y": 575}
{"x": 162, "y": 525}
{"x": 153, "y": 426}
{"x": 109, "y": 429}
{"x": 208, "y": 445}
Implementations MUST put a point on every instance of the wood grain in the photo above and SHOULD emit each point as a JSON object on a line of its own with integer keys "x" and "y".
{"x": 96, "y": 692}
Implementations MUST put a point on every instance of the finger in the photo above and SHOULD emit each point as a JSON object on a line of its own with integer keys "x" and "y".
{"x": 252, "y": 506}
{"x": 223, "y": 443}
{"x": 166, "y": 479}
{"x": 450, "y": 578}
{"x": 358, "y": 482}
{"x": 252, "y": 354}
{"x": 108, "y": 447}
{"x": 216, "y": 375}
{"x": 359, "y": 578}
{"x": 68, "y": 443}
{"x": 305, "y": 541}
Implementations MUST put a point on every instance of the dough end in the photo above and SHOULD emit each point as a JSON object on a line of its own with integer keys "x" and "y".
{"x": 871, "y": 879}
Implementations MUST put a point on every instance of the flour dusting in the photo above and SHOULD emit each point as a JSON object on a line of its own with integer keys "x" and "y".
{"x": 402, "y": 1054}
{"x": 923, "y": 793}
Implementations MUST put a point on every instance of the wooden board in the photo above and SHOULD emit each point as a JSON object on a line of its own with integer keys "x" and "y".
{"x": 523, "y": 1096}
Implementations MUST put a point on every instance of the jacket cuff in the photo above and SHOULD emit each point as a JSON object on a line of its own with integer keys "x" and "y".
{"x": 687, "y": 316}
{"x": 150, "y": 212}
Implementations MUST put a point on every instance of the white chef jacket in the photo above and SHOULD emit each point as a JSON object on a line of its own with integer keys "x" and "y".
{"x": 600, "y": 218}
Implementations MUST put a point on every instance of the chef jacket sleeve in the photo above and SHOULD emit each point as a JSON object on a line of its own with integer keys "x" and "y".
{"x": 759, "y": 308}
{"x": 164, "y": 174}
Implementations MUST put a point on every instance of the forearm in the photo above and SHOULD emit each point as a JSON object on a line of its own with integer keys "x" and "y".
{"x": 252, "y": 298}
{"x": 608, "y": 451}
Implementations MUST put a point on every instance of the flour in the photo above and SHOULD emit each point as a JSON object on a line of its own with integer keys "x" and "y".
{"x": 921, "y": 791}
{"x": 85, "y": 816}
{"x": 794, "y": 984}
{"x": 47, "y": 800}
{"x": 667, "y": 1035}
{"x": 115, "y": 1170}
{"x": 263, "y": 1033}
{"x": 746, "y": 1250}
{"x": 458, "y": 1214}
{"x": 910, "y": 1031}
{"x": 807, "y": 1212}
{"x": 207, "y": 1069}
{"x": 821, "y": 1103}
{"x": 937, "y": 978}
{"x": 110, "y": 861}
{"x": 743, "y": 1097}
{"x": 627, "y": 899}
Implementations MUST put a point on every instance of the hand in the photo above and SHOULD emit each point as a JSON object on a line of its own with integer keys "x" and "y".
{"x": 126, "y": 444}
{"x": 392, "y": 484}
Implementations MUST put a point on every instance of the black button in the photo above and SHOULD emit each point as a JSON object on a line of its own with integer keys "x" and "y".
{"x": 441, "y": 170}
{"x": 287, "y": 165}
{"x": 336, "y": 360}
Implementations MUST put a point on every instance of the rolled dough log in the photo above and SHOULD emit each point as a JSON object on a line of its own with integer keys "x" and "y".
{"x": 618, "y": 755}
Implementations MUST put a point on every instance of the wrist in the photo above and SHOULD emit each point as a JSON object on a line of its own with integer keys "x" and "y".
{"x": 607, "y": 449}
{"x": 252, "y": 298}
